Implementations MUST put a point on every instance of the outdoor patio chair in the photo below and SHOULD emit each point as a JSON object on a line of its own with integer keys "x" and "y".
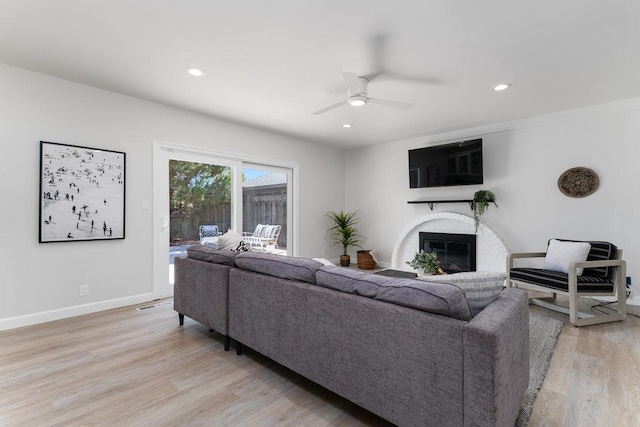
{"x": 263, "y": 235}
{"x": 209, "y": 235}
{"x": 602, "y": 272}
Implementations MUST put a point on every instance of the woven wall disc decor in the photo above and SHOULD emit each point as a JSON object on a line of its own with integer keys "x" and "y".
{"x": 578, "y": 182}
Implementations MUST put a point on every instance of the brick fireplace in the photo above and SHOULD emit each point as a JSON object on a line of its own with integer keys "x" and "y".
{"x": 491, "y": 250}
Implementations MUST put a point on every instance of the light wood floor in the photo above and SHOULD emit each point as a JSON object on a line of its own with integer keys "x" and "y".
{"x": 129, "y": 367}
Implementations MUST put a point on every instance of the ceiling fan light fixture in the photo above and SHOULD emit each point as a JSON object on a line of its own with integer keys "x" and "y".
{"x": 357, "y": 101}
{"x": 501, "y": 87}
{"x": 195, "y": 72}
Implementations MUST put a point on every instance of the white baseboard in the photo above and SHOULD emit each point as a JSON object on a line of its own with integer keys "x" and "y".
{"x": 634, "y": 301}
{"x": 633, "y": 306}
{"x": 78, "y": 310}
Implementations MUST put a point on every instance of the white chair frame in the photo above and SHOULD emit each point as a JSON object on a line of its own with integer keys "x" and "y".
{"x": 576, "y": 317}
{"x": 271, "y": 234}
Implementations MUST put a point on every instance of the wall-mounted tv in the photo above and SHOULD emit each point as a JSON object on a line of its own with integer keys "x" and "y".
{"x": 458, "y": 163}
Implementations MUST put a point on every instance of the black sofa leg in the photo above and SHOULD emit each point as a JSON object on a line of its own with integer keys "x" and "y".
{"x": 227, "y": 342}
{"x": 238, "y": 348}
{"x": 181, "y": 318}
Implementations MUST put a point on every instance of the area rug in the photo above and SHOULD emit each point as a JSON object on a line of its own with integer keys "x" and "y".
{"x": 543, "y": 336}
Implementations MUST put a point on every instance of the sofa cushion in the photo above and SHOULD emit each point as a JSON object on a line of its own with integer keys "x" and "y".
{"x": 301, "y": 269}
{"x": 480, "y": 287}
{"x": 216, "y": 256}
{"x": 438, "y": 298}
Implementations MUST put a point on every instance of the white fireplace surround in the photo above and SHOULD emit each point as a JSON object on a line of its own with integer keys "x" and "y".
{"x": 491, "y": 251}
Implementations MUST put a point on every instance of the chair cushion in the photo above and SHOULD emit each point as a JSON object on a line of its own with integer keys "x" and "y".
{"x": 209, "y": 230}
{"x": 284, "y": 267}
{"x": 439, "y": 298}
{"x": 270, "y": 231}
{"x": 210, "y": 242}
{"x": 559, "y": 280}
{"x": 208, "y": 254}
{"x": 260, "y": 229}
{"x": 561, "y": 253}
{"x": 600, "y": 251}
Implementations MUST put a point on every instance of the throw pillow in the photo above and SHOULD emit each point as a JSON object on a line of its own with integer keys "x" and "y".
{"x": 560, "y": 254}
{"x": 480, "y": 288}
{"x": 229, "y": 240}
{"x": 242, "y": 247}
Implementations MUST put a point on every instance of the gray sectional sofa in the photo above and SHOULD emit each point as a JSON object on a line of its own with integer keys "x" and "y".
{"x": 408, "y": 351}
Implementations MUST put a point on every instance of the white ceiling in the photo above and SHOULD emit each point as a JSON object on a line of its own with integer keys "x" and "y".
{"x": 270, "y": 64}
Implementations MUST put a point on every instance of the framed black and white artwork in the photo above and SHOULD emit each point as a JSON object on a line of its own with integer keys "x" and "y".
{"x": 82, "y": 193}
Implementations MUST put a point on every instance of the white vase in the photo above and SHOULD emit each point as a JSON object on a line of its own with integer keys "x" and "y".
{"x": 422, "y": 273}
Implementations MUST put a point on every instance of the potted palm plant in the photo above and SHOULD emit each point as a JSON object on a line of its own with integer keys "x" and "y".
{"x": 343, "y": 232}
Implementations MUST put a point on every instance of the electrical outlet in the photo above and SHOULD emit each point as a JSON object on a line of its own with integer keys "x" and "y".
{"x": 84, "y": 290}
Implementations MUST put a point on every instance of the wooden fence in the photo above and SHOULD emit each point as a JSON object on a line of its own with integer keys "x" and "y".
{"x": 261, "y": 205}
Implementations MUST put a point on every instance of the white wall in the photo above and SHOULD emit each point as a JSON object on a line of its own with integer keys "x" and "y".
{"x": 40, "y": 282}
{"x": 522, "y": 163}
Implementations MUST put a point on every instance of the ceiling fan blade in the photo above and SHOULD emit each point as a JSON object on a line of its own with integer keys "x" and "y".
{"x": 393, "y": 104}
{"x": 352, "y": 83}
{"x": 331, "y": 107}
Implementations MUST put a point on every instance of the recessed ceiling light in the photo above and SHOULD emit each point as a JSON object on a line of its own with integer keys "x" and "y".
{"x": 502, "y": 86}
{"x": 347, "y": 125}
{"x": 195, "y": 72}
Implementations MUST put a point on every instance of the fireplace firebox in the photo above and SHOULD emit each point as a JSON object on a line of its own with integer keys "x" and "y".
{"x": 456, "y": 252}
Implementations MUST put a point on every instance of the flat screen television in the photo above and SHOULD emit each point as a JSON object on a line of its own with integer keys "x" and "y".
{"x": 458, "y": 163}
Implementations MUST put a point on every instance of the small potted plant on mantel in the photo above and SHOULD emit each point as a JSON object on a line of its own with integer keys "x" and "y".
{"x": 481, "y": 200}
{"x": 426, "y": 263}
{"x": 344, "y": 233}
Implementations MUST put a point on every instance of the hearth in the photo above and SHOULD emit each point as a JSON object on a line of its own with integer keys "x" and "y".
{"x": 456, "y": 252}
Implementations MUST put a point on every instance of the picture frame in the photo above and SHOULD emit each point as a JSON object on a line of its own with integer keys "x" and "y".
{"x": 82, "y": 193}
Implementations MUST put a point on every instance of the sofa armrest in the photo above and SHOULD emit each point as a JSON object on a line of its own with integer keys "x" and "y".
{"x": 201, "y": 292}
{"x": 496, "y": 356}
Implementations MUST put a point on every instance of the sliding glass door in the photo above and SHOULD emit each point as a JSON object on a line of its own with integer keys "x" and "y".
{"x": 198, "y": 191}
{"x": 200, "y": 205}
{"x": 265, "y": 207}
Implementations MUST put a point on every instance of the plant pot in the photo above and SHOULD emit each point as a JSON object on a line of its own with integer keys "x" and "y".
{"x": 422, "y": 273}
{"x": 345, "y": 260}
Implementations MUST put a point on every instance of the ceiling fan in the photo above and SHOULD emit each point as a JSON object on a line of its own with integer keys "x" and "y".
{"x": 357, "y": 95}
